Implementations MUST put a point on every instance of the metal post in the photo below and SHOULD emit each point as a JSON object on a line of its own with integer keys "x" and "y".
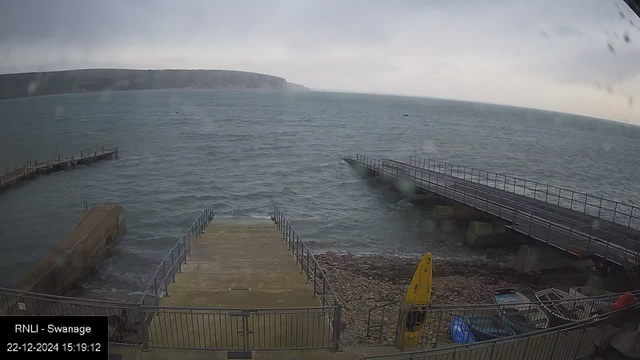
{"x": 615, "y": 211}
{"x": 164, "y": 271}
{"x": 300, "y": 254}
{"x": 600, "y": 207}
{"x": 179, "y": 258}
{"x": 187, "y": 251}
{"x": 144, "y": 330}
{"x": 315, "y": 276}
{"x": 337, "y": 322}
{"x": 324, "y": 288}
{"x": 173, "y": 270}
{"x": 400, "y": 326}
{"x": 245, "y": 332}
{"x": 586, "y": 199}
{"x": 546, "y": 194}
{"x": 308, "y": 263}
{"x": 155, "y": 290}
{"x": 572, "y": 193}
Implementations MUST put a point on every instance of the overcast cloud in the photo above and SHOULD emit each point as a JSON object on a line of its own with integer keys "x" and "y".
{"x": 569, "y": 55}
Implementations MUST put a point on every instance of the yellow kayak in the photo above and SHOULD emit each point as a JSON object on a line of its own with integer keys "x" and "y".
{"x": 419, "y": 294}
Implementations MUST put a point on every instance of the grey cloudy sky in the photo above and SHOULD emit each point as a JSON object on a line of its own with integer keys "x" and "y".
{"x": 570, "y": 55}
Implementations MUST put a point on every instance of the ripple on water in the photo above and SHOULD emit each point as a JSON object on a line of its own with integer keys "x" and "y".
{"x": 243, "y": 150}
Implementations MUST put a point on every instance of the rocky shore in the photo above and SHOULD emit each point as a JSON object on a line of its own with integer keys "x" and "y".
{"x": 365, "y": 281}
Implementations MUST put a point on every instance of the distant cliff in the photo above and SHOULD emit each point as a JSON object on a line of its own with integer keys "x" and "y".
{"x": 74, "y": 81}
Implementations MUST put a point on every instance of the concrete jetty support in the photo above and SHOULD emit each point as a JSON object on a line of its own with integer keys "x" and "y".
{"x": 98, "y": 231}
{"x": 11, "y": 177}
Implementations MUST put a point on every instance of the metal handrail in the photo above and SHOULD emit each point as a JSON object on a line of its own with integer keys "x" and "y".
{"x": 520, "y": 205}
{"x": 176, "y": 257}
{"x": 397, "y": 307}
{"x": 469, "y": 173}
{"x": 204, "y": 308}
{"x": 67, "y": 299}
{"x": 307, "y": 261}
{"x": 574, "y": 227}
{"x": 577, "y": 325}
{"x": 499, "y": 209}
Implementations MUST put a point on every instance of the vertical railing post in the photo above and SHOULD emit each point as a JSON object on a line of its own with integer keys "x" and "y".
{"x": 337, "y": 322}
{"x": 315, "y": 276}
{"x": 245, "y": 330}
{"x": 600, "y": 207}
{"x": 586, "y": 199}
{"x": 164, "y": 271}
{"x": 298, "y": 251}
{"x": 173, "y": 269}
{"x": 572, "y": 193}
{"x": 155, "y": 291}
{"x": 184, "y": 247}
{"x": 308, "y": 263}
{"x": 324, "y": 288}
{"x": 179, "y": 258}
{"x": 400, "y": 328}
{"x": 144, "y": 330}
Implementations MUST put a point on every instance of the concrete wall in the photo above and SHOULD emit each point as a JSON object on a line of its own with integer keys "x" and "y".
{"x": 98, "y": 230}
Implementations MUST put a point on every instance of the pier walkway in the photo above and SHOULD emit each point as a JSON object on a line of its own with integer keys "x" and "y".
{"x": 579, "y": 234}
{"x": 30, "y": 170}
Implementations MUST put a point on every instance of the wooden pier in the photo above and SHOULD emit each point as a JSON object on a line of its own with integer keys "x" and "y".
{"x": 30, "y": 170}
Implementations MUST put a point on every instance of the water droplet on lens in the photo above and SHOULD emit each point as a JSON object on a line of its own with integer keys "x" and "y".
{"x": 32, "y": 87}
{"x": 105, "y": 95}
{"x": 429, "y": 146}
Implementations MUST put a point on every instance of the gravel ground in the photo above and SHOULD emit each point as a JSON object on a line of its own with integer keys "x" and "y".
{"x": 365, "y": 281}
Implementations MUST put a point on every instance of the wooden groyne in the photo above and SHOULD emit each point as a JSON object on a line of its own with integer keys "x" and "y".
{"x": 10, "y": 177}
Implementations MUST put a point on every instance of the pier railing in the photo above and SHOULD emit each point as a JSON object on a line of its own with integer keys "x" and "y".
{"x": 437, "y": 319}
{"x": 242, "y": 329}
{"x": 150, "y": 325}
{"x": 577, "y": 238}
{"x": 308, "y": 263}
{"x": 571, "y": 340}
{"x": 610, "y": 210}
{"x": 9, "y": 177}
{"x": 172, "y": 263}
{"x": 313, "y": 271}
{"x": 126, "y": 320}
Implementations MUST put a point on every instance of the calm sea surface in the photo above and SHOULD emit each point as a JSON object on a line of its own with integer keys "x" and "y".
{"x": 242, "y": 150}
